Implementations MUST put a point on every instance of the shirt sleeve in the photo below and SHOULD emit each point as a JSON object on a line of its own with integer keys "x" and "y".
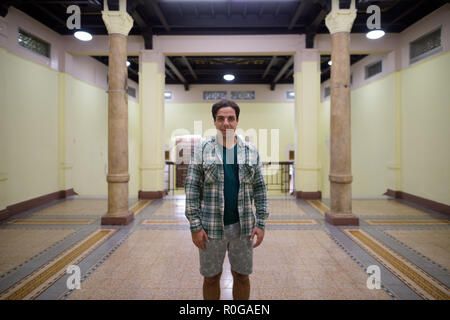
{"x": 193, "y": 188}
{"x": 260, "y": 196}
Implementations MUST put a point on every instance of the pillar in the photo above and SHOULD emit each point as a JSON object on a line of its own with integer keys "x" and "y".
{"x": 118, "y": 24}
{"x": 151, "y": 88}
{"x": 307, "y": 101}
{"x": 339, "y": 22}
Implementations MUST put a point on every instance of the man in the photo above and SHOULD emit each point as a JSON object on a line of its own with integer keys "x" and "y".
{"x": 223, "y": 179}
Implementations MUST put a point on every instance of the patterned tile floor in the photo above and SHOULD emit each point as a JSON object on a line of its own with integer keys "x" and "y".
{"x": 302, "y": 257}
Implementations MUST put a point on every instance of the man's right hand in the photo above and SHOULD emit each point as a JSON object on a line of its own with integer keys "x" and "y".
{"x": 198, "y": 238}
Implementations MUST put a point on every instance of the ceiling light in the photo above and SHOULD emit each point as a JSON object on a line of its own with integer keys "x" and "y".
{"x": 83, "y": 35}
{"x": 128, "y": 63}
{"x": 375, "y": 34}
{"x": 228, "y": 77}
{"x": 330, "y": 63}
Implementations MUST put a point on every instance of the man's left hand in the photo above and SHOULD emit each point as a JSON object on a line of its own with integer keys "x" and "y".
{"x": 259, "y": 236}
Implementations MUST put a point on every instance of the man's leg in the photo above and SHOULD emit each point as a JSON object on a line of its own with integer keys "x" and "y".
{"x": 241, "y": 286}
{"x": 211, "y": 287}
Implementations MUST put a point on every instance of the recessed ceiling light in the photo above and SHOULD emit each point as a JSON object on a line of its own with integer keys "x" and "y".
{"x": 375, "y": 34}
{"x": 128, "y": 63}
{"x": 330, "y": 63}
{"x": 83, "y": 36}
{"x": 229, "y": 77}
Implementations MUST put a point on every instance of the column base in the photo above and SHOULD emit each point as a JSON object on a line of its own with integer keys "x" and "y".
{"x": 151, "y": 194}
{"x": 308, "y": 195}
{"x": 341, "y": 220}
{"x": 117, "y": 220}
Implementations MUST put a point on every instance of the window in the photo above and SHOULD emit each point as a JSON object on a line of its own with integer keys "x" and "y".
{"x": 373, "y": 69}
{"x": 327, "y": 92}
{"x": 33, "y": 43}
{"x": 132, "y": 92}
{"x": 214, "y": 95}
{"x": 242, "y": 95}
{"x": 425, "y": 46}
{"x": 168, "y": 95}
{"x": 290, "y": 95}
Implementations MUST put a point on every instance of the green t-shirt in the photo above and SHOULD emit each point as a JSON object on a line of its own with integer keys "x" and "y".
{"x": 231, "y": 186}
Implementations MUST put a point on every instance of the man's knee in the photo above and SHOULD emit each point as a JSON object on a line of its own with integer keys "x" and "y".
{"x": 240, "y": 277}
{"x": 213, "y": 280}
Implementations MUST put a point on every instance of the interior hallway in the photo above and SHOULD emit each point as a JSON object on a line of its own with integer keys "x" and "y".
{"x": 301, "y": 257}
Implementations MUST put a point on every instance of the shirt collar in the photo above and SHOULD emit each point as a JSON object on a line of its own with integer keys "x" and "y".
{"x": 240, "y": 150}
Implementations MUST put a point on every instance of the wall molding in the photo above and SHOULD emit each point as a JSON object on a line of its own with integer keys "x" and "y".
{"x": 35, "y": 202}
{"x": 426, "y": 203}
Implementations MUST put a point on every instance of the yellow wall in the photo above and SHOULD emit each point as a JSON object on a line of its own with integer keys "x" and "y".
{"x": 29, "y": 137}
{"x": 426, "y": 129}
{"x": 373, "y": 136}
{"x": 252, "y": 116}
{"x": 29, "y": 131}
{"x": 425, "y": 105}
{"x": 87, "y": 138}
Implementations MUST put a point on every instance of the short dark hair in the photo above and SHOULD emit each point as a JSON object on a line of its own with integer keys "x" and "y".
{"x": 225, "y": 103}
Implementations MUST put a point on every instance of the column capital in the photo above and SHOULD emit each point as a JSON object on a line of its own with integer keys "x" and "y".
{"x": 340, "y": 20}
{"x": 117, "y": 22}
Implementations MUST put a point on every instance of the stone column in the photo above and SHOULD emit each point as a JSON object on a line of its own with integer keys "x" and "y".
{"x": 307, "y": 101}
{"x": 151, "y": 88}
{"x": 118, "y": 23}
{"x": 339, "y": 22}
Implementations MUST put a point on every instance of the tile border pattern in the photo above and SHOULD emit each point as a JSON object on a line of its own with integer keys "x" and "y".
{"x": 140, "y": 206}
{"x": 91, "y": 270}
{"x": 414, "y": 250}
{"x": 359, "y": 263}
{"x": 38, "y": 281}
{"x": 40, "y": 253}
{"x": 418, "y": 280}
{"x": 378, "y": 222}
{"x": 51, "y": 221}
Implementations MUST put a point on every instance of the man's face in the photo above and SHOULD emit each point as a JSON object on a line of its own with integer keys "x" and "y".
{"x": 226, "y": 121}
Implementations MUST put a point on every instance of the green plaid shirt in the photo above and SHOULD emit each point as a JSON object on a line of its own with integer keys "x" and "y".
{"x": 204, "y": 187}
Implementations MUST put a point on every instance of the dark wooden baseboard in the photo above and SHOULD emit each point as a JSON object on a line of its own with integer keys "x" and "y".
{"x": 314, "y": 195}
{"x": 35, "y": 202}
{"x": 426, "y": 203}
{"x": 151, "y": 194}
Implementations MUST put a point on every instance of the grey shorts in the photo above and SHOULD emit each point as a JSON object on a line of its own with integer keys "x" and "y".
{"x": 240, "y": 253}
